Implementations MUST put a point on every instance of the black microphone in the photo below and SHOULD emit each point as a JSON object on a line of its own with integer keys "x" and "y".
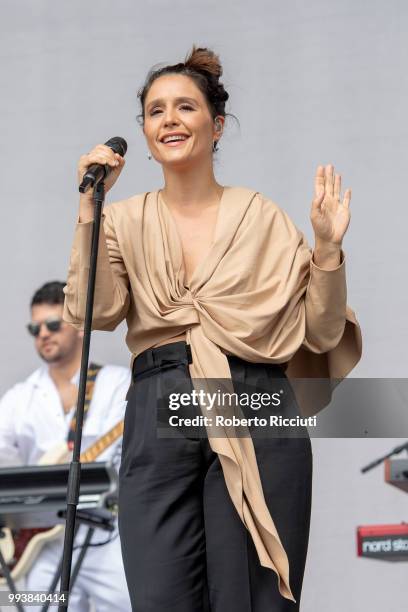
{"x": 98, "y": 172}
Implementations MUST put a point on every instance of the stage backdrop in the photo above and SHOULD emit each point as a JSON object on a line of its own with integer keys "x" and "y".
{"x": 311, "y": 83}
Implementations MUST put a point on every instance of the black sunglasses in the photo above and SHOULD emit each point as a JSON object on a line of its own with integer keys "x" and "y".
{"x": 53, "y": 325}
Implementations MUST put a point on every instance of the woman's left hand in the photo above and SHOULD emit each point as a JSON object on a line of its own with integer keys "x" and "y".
{"x": 330, "y": 217}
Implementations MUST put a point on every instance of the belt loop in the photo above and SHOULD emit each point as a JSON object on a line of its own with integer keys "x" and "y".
{"x": 189, "y": 353}
{"x": 133, "y": 367}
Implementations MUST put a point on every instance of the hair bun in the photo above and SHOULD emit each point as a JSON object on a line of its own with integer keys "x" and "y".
{"x": 202, "y": 59}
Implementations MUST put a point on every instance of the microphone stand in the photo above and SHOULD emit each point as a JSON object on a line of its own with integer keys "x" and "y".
{"x": 395, "y": 451}
{"x": 75, "y": 466}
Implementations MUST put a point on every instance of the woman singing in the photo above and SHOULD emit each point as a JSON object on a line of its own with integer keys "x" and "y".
{"x": 215, "y": 282}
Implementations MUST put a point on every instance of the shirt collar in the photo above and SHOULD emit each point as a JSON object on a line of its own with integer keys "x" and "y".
{"x": 42, "y": 376}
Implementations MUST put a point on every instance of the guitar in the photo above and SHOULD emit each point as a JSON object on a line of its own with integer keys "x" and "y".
{"x": 20, "y": 548}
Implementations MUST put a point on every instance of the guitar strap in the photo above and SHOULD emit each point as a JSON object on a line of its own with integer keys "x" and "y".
{"x": 93, "y": 370}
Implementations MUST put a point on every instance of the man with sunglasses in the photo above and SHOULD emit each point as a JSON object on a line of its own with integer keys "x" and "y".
{"x": 36, "y": 414}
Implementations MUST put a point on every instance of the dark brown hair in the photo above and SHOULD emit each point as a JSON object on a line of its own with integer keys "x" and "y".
{"x": 204, "y": 67}
{"x": 49, "y": 293}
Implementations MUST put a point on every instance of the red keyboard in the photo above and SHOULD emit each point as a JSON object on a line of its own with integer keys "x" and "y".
{"x": 386, "y": 542}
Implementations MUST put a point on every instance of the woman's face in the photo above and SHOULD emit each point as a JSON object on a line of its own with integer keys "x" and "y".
{"x": 175, "y": 105}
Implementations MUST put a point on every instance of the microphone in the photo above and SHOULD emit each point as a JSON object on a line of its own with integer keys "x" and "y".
{"x": 98, "y": 172}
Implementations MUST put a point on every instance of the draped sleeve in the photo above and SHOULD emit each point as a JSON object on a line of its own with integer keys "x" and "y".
{"x": 111, "y": 299}
{"x": 332, "y": 345}
{"x": 328, "y": 336}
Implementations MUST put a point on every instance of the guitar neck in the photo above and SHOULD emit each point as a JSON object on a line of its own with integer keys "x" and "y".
{"x": 102, "y": 444}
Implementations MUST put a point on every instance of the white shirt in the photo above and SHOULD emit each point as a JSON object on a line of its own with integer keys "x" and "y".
{"x": 33, "y": 421}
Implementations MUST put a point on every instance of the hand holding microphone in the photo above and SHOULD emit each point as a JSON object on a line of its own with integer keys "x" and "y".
{"x": 104, "y": 162}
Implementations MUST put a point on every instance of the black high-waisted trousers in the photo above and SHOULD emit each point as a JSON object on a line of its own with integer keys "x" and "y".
{"x": 184, "y": 547}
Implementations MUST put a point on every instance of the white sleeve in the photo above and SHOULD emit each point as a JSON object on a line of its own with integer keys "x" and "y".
{"x": 117, "y": 380}
{"x": 9, "y": 451}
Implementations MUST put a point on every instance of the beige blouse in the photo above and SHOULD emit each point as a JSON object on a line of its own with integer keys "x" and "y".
{"x": 258, "y": 295}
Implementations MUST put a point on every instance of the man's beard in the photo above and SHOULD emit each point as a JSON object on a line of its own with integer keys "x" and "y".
{"x": 58, "y": 355}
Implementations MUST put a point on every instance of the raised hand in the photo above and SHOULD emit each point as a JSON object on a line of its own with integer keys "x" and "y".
{"x": 330, "y": 217}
